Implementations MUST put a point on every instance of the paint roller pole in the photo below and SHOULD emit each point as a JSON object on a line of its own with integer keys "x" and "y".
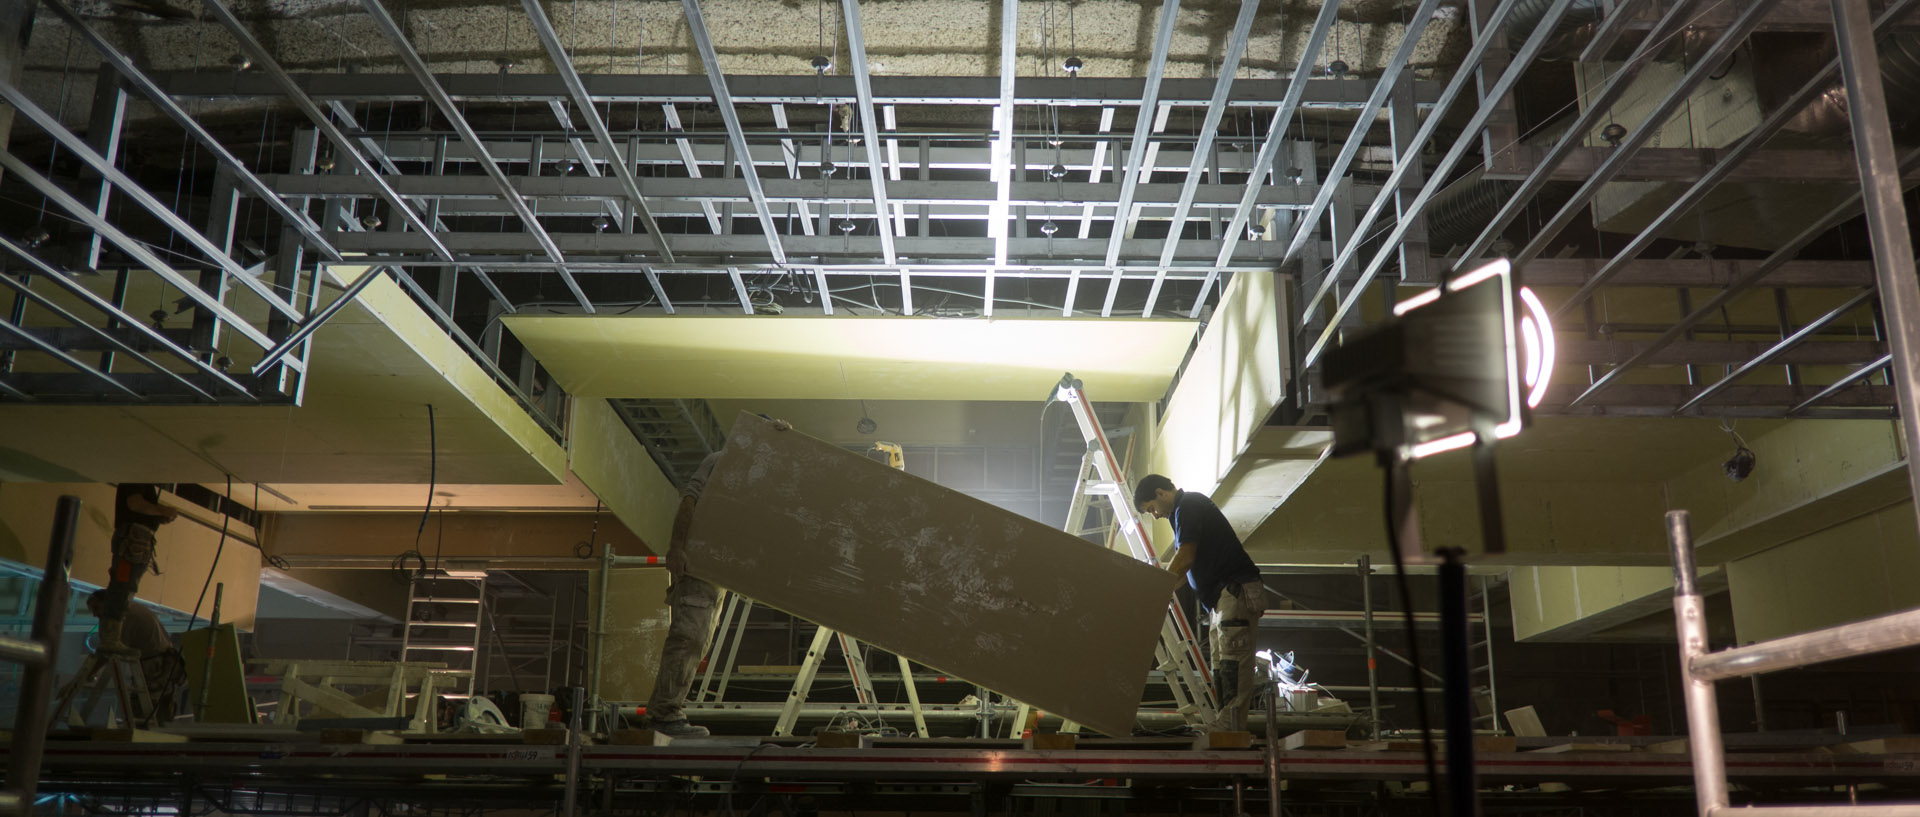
{"x": 206, "y": 662}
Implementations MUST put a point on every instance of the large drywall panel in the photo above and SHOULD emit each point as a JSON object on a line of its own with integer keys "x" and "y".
{"x": 821, "y": 358}
{"x": 930, "y": 574}
{"x": 376, "y": 366}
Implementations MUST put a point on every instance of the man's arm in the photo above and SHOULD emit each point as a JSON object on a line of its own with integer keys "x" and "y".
{"x": 139, "y": 503}
{"x": 1183, "y": 558}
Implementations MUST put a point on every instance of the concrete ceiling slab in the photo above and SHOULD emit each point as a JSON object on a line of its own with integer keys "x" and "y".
{"x": 819, "y": 358}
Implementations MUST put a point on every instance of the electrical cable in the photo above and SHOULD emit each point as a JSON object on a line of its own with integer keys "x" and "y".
{"x": 1413, "y": 644}
{"x": 400, "y": 572}
{"x": 433, "y": 476}
{"x": 224, "y": 517}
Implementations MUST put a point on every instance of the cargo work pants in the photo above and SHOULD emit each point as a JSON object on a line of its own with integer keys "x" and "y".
{"x": 1236, "y": 623}
{"x": 133, "y": 547}
{"x": 690, "y": 602}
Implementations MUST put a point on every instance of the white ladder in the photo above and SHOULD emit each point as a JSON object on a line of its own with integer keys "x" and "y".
{"x": 1178, "y": 654}
{"x": 816, "y": 654}
{"x": 810, "y": 669}
{"x": 451, "y": 638}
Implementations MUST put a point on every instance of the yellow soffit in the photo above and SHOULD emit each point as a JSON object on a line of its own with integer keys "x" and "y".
{"x": 822, "y": 358}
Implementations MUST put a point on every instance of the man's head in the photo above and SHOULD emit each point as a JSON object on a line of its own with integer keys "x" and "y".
{"x": 96, "y": 601}
{"x": 1154, "y": 495}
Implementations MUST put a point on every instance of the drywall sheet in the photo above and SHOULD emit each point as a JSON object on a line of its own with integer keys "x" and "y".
{"x": 758, "y": 357}
{"x": 931, "y": 574}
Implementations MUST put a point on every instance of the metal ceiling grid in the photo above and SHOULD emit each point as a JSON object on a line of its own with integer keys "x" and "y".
{"x": 842, "y": 213}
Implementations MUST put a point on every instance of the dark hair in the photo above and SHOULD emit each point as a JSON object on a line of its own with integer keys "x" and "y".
{"x": 101, "y": 595}
{"x": 1148, "y": 486}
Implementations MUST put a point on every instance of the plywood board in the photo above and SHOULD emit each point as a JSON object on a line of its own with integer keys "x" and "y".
{"x": 931, "y": 574}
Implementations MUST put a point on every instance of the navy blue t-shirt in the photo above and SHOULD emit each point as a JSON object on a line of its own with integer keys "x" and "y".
{"x": 1221, "y": 560}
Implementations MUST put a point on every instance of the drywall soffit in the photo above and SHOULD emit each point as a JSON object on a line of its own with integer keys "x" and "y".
{"x": 821, "y": 358}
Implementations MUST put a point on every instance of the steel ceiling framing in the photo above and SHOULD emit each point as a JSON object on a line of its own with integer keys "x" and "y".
{"x": 978, "y": 216}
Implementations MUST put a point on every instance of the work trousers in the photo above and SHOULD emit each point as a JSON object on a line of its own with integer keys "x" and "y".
{"x": 690, "y": 602}
{"x": 133, "y": 547}
{"x": 1236, "y": 623}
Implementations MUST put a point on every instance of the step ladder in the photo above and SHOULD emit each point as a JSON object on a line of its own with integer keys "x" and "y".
{"x": 891, "y": 455}
{"x": 1485, "y": 693}
{"x": 823, "y": 638}
{"x": 1178, "y": 656}
{"x": 100, "y": 674}
{"x": 445, "y": 616}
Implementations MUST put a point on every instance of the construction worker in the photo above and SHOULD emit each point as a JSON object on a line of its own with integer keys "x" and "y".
{"x": 137, "y": 514}
{"x": 161, "y": 664}
{"x": 690, "y": 602}
{"x": 1226, "y": 581}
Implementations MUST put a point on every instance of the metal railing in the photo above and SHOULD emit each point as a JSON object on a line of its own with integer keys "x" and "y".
{"x": 39, "y": 655}
{"x": 1699, "y": 668}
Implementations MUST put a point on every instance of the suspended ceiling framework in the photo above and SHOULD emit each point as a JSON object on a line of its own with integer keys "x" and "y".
{"x": 271, "y": 163}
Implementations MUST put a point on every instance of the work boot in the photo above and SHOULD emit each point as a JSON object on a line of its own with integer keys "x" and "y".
{"x": 110, "y": 643}
{"x": 680, "y": 729}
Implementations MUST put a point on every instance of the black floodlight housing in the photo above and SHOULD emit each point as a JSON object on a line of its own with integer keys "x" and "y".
{"x": 1456, "y": 363}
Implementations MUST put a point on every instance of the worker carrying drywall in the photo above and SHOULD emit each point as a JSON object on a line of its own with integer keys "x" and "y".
{"x": 161, "y": 664}
{"x": 137, "y": 514}
{"x": 690, "y": 601}
{"x": 1225, "y": 580}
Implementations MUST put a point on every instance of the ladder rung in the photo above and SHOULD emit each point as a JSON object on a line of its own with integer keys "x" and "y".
{"x": 444, "y": 600}
{"x": 443, "y": 624}
{"x": 1477, "y": 645}
{"x": 439, "y": 648}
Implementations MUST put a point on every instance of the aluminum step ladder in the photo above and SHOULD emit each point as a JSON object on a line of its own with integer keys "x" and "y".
{"x": 892, "y": 455}
{"x": 823, "y": 638}
{"x": 1485, "y": 692}
{"x": 445, "y": 616}
{"x": 1178, "y": 656}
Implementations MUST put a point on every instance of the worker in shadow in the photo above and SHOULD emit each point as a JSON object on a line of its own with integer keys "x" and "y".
{"x": 1224, "y": 579}
{"x": 137, "y": 515}
{"x": 690, "y": 602}
{"x": 162, "y": 667}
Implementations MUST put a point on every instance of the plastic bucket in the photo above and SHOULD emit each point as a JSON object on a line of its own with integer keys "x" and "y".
{"x": 534, "y": 709}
